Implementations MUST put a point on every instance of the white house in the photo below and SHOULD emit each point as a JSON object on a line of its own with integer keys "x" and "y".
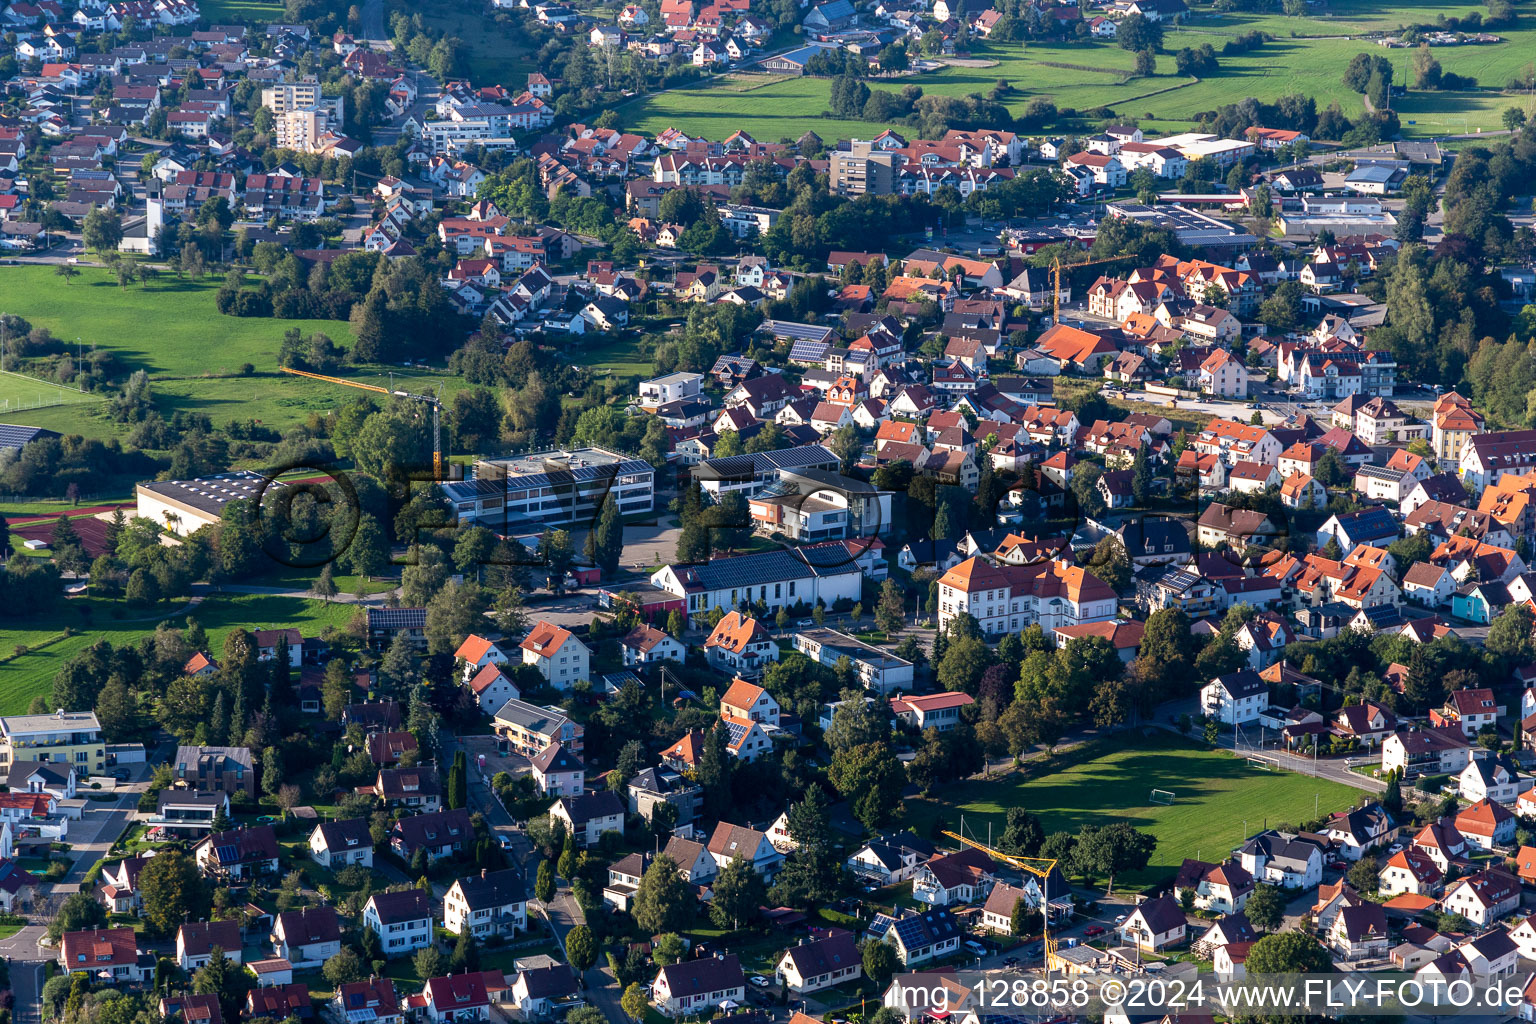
{"x": 559, "y": 656}
{"x": 557, "y": 772}
{"x": 490, "y": 903}
{"x": 402, "y": 920}
{"x": 819, "y": 964}
{"x": 336, "y": 844}
{"x": 1156, "y": 924}
{"x": 694, "y": 986}
{"x": 1236, "y": 698}
{"x": 475, "y": 653}
{"x": 492, "y": 688}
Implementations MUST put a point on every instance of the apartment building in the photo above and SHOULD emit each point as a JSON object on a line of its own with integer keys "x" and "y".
{"x": 73, "y": 737}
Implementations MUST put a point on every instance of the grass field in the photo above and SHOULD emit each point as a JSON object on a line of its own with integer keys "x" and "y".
{"x": 19, "y": 393}
{"x": 1085, "y": 76}
{"x": 31, "y": 675}
{"x": 1217, "y": 797}
{"x": 223, "y": 12}
{"x": 192, "y": 352}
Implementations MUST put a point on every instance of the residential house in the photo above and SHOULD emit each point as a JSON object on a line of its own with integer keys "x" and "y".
{"x": 336, "y": 844}
{"x": 695, "y": 986}
{"x": 402, "y": 920}
{"x": 307, "y": 937}
{"x": 490, "y": 903}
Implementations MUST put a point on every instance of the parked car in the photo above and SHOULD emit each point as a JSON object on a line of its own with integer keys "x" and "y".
{"x": 1093, "y": 930}
{"x": 1120, "y": 919}
{"x": 759, "y": 981}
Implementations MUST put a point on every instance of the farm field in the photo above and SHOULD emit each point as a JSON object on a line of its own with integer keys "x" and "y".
{"x": 1085, "y": 76}
{"x": 1216, "y": 797}
{"x": 31, "y": 674}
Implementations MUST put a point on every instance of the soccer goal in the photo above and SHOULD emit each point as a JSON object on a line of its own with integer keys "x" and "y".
{"x": 1263, "y": 764}
{"x": 1162, "y": 796}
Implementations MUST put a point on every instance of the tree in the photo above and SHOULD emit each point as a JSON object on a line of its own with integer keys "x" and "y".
{"x": 102, "y": 230}
{"x": 890, "y": 611}
{"x": 1137, "y": 33}
{"x": 271, "y": 771}
{"x": 871, "y": 779}
{"x": 466, "y": 953}
{"x": 739, "y": 893}
{"x": 1023, "y": 834}
{"x": 634, "y": 1001}
{"x": 580, "y": 948}
{"x": 544, "y": 884}
{"x": 1362, "y": 875}
{"x": 1266, "y": 907}
{"x": 225, "y": 979}
{"x": 325, "y": 585}
{"x": 79, "y": 911}
{"x": 663, "y": 900}
{"x": 567, "y": 863}
{"x": 1146, "y": 63}
{"x": 963, "y": 663}
{"x": 173, "y": 891}
{"x": 1121, "y": 847}
{"x": 879, "y": 961}
{"x": 609, "y": 536}
{"x": 669, "y": 949}
{"x": 1288, "y": 953}
{"x": 343, "y": 968}
{"x": 428, "y": 963}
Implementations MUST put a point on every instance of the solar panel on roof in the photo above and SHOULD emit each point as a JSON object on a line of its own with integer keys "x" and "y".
{"x": 737, "y": 732}
{"x": 808, "y": 351}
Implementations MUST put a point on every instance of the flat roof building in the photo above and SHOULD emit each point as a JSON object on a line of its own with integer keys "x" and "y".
{"x": 558, "y": 487}
{"x": 185, "y": 506}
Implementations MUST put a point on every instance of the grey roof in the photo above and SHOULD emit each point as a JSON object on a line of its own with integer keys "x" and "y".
{"x": 746, "y": 467}
{"x": 796, "y": 331}
{"x": 543, "y": 721}
{"x": 764, "y": 567}
{"x": 493, "y": 889}
{"x": 339, "y": 835}
{"x": 403, "y": 905}
{"x": 397, "y": 618}
{"x": 211, "y": 493}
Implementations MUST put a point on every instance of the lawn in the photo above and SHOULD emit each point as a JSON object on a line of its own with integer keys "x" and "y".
{"x": 1219, "y": 799}
{"x": 31, "y": 675}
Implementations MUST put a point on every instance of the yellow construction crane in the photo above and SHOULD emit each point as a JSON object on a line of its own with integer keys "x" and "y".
{"x": 1057, "y": 267}
{"x": 1040, "y": 867}
{"x": 433, "y": 400}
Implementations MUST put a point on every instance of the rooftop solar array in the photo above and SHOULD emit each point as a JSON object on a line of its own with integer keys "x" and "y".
{"x": 808, "y": 351}
{"x": 797, "y": 331}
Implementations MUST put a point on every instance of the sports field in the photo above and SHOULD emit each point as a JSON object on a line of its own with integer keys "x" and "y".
{"x": 1307, "y": 56}
{"x": 1216, "y": 797}
{"x": 19, "y": 393}
{"x": 31, "y": 674}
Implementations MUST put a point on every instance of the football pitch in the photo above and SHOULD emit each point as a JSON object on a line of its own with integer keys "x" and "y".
{"x": 1216, "y": 798}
